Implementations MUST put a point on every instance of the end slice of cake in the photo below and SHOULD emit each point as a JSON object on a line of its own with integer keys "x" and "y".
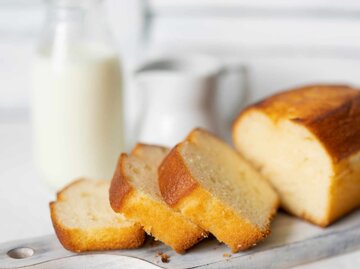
{"x": 83, "y": 219}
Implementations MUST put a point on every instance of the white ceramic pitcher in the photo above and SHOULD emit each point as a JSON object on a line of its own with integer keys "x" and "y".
{"x": 180, "y": 93}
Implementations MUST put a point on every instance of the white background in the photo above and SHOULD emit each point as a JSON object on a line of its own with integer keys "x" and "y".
{"x": 283, "y": 43}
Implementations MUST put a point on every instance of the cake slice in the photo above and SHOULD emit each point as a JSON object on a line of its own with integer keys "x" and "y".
{"x": 306, "y": 141}
{"x": 83, "y": 219}
{"x": 213, "y": 186}
{"x": 135, "y": 193}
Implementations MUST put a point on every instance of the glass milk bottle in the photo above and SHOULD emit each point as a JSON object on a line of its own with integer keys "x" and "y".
{"x": 77, "y": 95}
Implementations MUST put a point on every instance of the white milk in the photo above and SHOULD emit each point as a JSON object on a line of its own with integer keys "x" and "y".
{"x": 77, "y": 115}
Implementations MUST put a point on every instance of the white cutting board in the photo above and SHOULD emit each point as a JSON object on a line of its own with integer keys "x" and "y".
{"x": 292, "y": 242}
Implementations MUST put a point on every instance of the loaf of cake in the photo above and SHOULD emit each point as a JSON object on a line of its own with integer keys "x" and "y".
{"x": 306, "y": 142}
{"x": 83, "y": 219}
{"x": 135, "y": 193}
{"x": 213, "y": 186}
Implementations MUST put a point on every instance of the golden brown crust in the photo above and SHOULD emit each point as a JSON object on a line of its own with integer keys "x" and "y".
{"x": 140, "y": 146}
{"x": 163, "y": 222}
{"x": 175, "y": 180}
{"x": 211, "y": 214}
{"x": 330, "y": 112}
{"x": 119, "y": 187}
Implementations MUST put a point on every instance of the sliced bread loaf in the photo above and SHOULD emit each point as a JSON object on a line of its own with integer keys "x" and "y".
{"x": 217, "y": 189}
{"x": 306, "y": 141}
{"x": 83, "y": 219}
{"x": 135, "y": 192}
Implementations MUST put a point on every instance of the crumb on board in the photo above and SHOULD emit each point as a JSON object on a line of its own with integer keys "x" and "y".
{"x": 226, "y": 255}
{"x": 164, "y": 257}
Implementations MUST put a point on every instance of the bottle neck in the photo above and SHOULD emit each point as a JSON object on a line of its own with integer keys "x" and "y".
{"x": 75, "y": 11}
{"x": 83, "y": 4}
{"x": 72, "y": 23}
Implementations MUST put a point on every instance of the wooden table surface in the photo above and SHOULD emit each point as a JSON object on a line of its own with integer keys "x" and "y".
{"x": 24, "y": 198}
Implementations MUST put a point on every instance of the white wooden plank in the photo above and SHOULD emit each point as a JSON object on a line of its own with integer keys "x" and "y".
{"x": 258, "y": 31}
{"x": 276, "y": 4}
{"x": 15, "y": 68}
{"x": 347, "y": 261}
{"x": 24, "y": 198}
{"x": 292, "y": 242}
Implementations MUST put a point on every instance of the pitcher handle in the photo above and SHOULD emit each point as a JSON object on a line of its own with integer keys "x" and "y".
{"x": 141, "y": 105}
{"x": 234, "y": 94}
